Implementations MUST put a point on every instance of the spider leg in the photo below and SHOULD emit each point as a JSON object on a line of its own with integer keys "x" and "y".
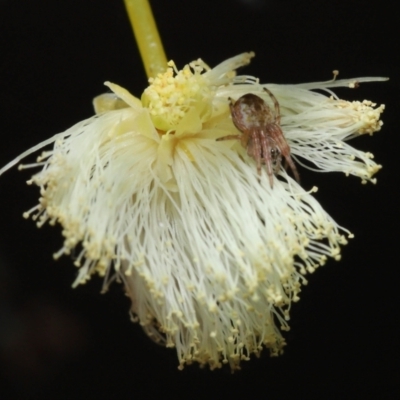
{"x": 285, "y": 152}
{"x": 278, "y": 161}
{"x": 229, "y": 137}
{"x": 276, "y": 104}
{"x": 244, "y": 139}
{"x": 289, "y": 161}
{"x": 276, "y": 136}
{"x": 232, "y": 109}
{"x": 254, "y": 150}
{"x": 286, "y": 165}
{"x": 266, "y": 150}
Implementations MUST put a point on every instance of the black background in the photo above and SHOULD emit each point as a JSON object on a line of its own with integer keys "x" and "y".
{"x": 56, "y": 342}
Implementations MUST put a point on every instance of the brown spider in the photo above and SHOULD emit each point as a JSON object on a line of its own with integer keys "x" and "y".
{"x": 261, "y": 133}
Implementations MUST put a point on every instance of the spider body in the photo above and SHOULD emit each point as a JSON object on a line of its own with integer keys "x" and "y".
{"x": 261, "y": 133}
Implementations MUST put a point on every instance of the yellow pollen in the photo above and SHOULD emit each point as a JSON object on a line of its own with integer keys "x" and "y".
{"x": 365, "y": 113}
{"x": 173, "y": 93}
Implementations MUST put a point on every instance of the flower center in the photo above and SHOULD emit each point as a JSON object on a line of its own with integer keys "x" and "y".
{"x": 173, "y": 93}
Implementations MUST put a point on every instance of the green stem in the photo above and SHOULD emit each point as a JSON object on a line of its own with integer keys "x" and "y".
{"x": 147, "y": 37}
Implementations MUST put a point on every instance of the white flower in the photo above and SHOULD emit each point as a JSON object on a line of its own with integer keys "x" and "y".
{"x": 211, "y": 256}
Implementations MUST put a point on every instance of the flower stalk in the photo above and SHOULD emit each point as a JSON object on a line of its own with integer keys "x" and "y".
{"x": 147, "y": 36}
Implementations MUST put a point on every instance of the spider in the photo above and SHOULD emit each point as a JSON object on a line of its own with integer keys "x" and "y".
{"x": 261, "y": 133}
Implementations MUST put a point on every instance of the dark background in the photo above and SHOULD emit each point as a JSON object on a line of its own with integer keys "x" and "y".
{"x": 56, "y": 342}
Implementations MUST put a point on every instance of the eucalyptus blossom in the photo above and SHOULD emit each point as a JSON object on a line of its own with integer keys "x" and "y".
{"x": 210, "y": 253}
